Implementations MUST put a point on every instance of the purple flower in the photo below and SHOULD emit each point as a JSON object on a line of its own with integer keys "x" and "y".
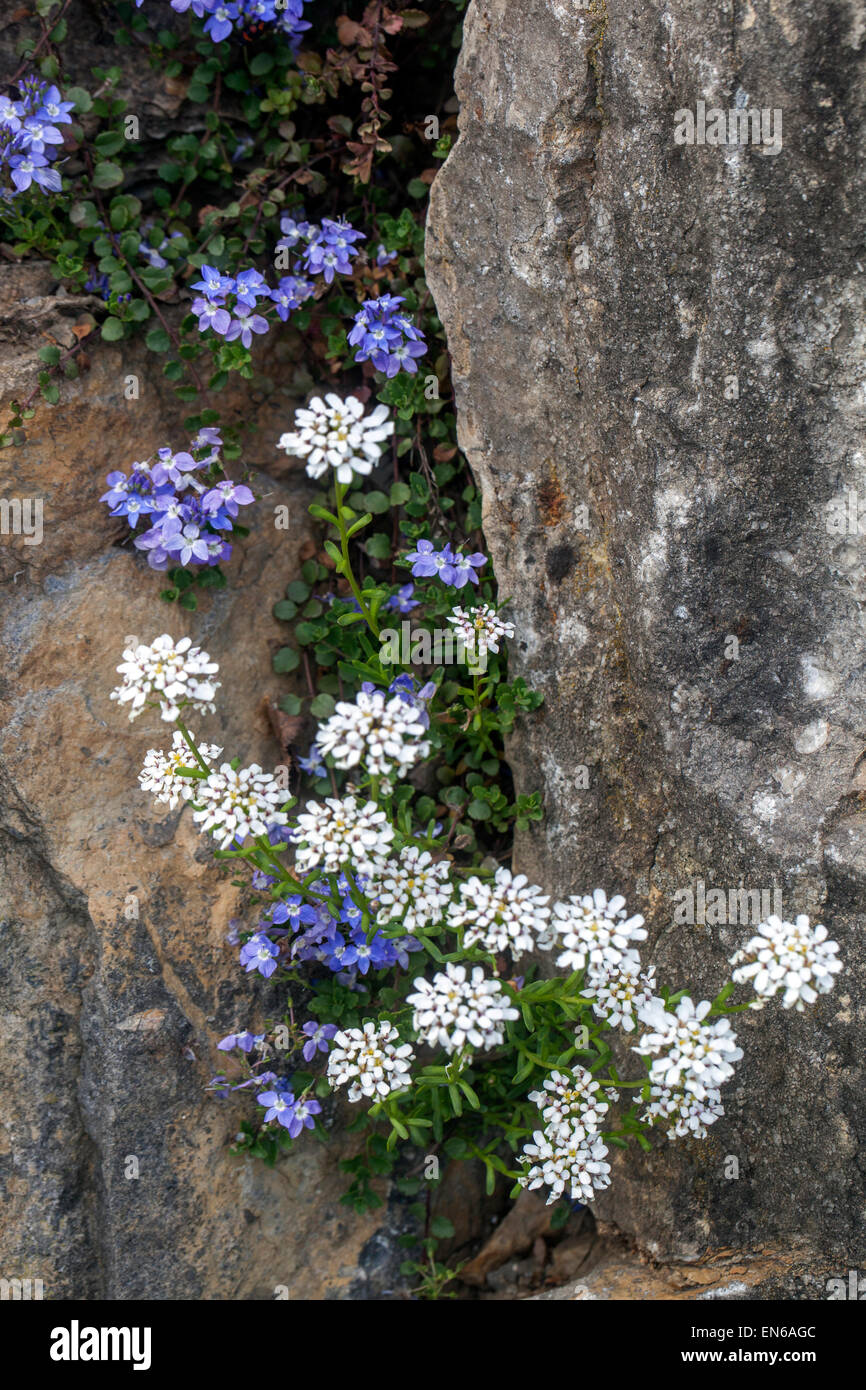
{"x": 402, "y": 601}
{"x": 244, "y": 325}
{"x": 245, "y": 1041}
{"x": 312, "y": 764}
{"x": 221, "y": 22}
{"x": 280, "y": 1106}
{"x": 228, "y": 497}
{"x": 211, "y": 316}
{"x": 318, "y": 1037}
{"x": 50, "y": 105}
{"x": 260, "y": 953}
{"x": 249, "y": 286}
{"x": 174, "y": 468}
{"x": 290, "y": 294}
{"x": 33, "y": 168}
{"x": 385, "y": 337}
{"x": 291, "y": 1114}
{"x": 304, "y": 1112}
{"x": 451, "y": 566}
{"x": 213, "y": 284}
{"x": 35, "y": 134}
{"x": 189, "y": 544}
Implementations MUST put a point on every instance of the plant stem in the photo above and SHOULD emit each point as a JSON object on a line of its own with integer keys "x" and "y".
{"x": 347, "y": 563}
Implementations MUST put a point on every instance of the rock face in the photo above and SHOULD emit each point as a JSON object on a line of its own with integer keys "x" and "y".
{"x": 658, "y": 352}
{"x": 115, "y": 1175}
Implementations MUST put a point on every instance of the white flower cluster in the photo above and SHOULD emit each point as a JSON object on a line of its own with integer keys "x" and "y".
{"x": 480, "y": 629}
{"x": 454, "y": 1010}
{"x": 373, "y": 1059}
{"x": 159, "y": 773}
{"x": 413, "y": 888}
{"x": 175, "y": 674}
{"x": 385, "y": 734}
{"x": 232, "y": 804}
{"x": 342, "y": 832}
{"x": 791, "y": 957}
{"x": 568, "y": 1098}
{"x": 335, "y": 432}
{"x": 689, "y": 1053}
{"x": 507, "y": 914}
{"x": 568, "y": 1155}
{"x": 621, "y": 994}
{"x": 596, "y": 934}
{"x": 683, "y": 1113}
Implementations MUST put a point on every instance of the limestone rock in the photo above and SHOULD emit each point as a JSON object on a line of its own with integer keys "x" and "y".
{"x": 658, "y": 355}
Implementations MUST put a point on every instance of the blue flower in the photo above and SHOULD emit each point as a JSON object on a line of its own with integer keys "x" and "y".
{"x": 220, "y": 24}
{"x": 260, "y": 953}
{"x": 213, "y": 284}
{"x": 245, "y": 1041}
{"x": 312, "y": 764}
{"x": 402, "y": 601}
{"x": 451, "y": 566}
{"x": 385, "y": 337}
{"x": 318, "y": 1037}
{"x": 280, "y": 1106}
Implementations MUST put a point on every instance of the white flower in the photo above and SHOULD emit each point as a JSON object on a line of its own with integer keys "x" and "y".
{"x": 596, "y": 932}
{"x": 569, "y": 1098}
{"x": 176, "y": 674}
{"x": 338, "y": 832}
{"x": 369, "y": 1059}
{"x": 452, "y": 1010}
{"x": 789, "y": 956}
{"x": 336, "y": 432}
{"x": 695, "y": 1056}
{"x": 413, "y": 888}
{"x": 480, "y": 629}
{"x": 569, "y": 1162}
{"x": 688, "y": 1114}
{"x": 160, "y": 771}
{"x": 507, "y": 914}
{"x": 233, "y": 804}
{"x": 621, "y": 993}
{"x": 384, "y": 734}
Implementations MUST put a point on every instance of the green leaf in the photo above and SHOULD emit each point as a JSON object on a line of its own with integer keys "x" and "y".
{"x": 298, "y": 591}
{"x": 286, "y": 659}
{"x": 285, "y": 610}
{"x": 82, "y": 98}
{"x": 441, "y": 1227}
{"x": 158, "y": 340}
{"x": 376, "y": 502}
{"x": 112, "y": 330}
{"x": 322, "y": 706}
{"x": 378, "y": 546}
{"x": 107, "y": 175}
{"x": 109, "y": 142}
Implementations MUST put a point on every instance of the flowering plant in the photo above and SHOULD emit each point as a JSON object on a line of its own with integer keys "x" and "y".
{"x": 400, "y": 958}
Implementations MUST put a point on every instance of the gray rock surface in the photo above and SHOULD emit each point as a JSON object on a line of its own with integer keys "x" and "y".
{"x": 662, "y": 530}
